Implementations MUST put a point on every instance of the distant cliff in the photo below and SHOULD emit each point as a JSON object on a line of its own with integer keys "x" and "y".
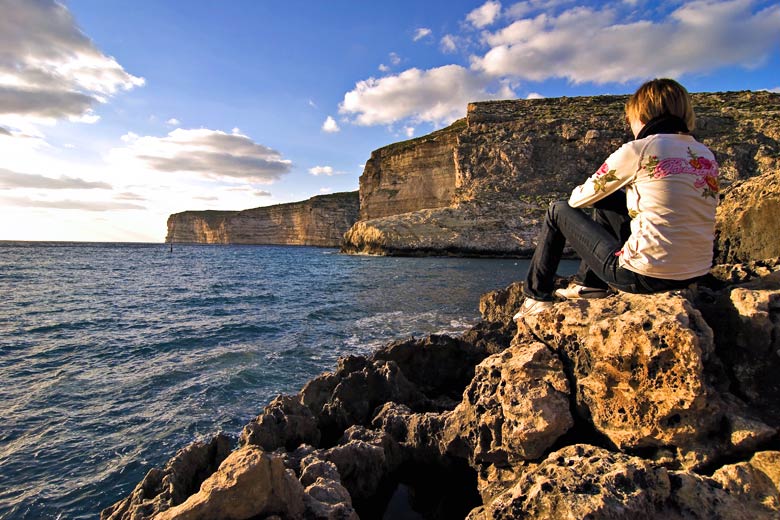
{"x": 319, "y": 221}
{"x": 501, "y": 165}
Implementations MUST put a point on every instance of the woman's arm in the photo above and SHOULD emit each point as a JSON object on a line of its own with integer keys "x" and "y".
{"x": 616, "y": 172}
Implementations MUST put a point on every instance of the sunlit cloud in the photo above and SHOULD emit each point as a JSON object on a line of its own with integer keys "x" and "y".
{"x": 10, "y": 179}
{"x": 49, "y": 69}
{"x": 594, "y": 45}
{"x": 173, "y": 122}
{"x": 322, "y": 170}
{"x": 448, "y": 43}
{"x": 209, "y": 153}
{"x": 330, "y": 126}
{"x": 484, "y": 15}
{"x": 534, "y": 95}
{"x": 67, "y": 204}
{"x": 437, "y": 95}
{"x": 421, "y": 33}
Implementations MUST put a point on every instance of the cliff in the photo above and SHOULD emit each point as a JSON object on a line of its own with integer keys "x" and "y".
{"x": 319, "y": 221}
{"x": 508, "y": 159}
{"x": 663, "y": 406}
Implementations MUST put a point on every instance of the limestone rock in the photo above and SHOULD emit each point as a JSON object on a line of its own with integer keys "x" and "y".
{"x": 746, "y": 322}
{"x": 249, "y": 483}
{"x": 472, "y": 228}
{"x": 638, "y": 363}
{"x": 437, "y": 365}
{"x": 516, "y": 407}
{"x": 582, "y": 481}
{"x": 500, "y": 305}
{"x": 286, "y": 423}
{"x": 755, "y": 482}
{"x": 410, "y": 175}
{"x": 351, "y": 395}
{"x": 748, "y": 220}
{"x": 326, "y": 498}
{"x": 418, "y": 435}
{"x": 164, "y": 488}
{"x": 319, "y": 221}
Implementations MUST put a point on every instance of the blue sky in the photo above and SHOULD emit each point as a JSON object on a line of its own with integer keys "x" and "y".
{"x": 114, "y": 114}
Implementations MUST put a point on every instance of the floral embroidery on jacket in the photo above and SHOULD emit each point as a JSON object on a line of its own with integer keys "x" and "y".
{"x": 705, "y": 170}
{"x": 603, "y": 176}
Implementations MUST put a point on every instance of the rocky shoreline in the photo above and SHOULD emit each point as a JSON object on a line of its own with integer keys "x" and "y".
{"x": 657, "y": 406}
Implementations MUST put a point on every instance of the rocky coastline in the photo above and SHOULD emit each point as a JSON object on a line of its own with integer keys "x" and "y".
{"x": 629, "y": 407}
{"x": 480, "y": 187}
{"x": 319, "y": 221}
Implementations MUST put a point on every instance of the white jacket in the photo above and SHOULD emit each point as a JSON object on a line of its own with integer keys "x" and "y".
{"x": 671, "y": 183}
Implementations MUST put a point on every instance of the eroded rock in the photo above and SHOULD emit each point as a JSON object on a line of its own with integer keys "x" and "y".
{"x": 285, "y": 423}
{"x": 248, "y": 483}
{"x": 515, "y": 408}
{"x": 638, "y": 363}
{"x": 583, "y": 481}
{"x": 164, "y": 488}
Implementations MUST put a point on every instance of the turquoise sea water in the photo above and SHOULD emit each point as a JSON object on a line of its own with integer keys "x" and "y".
{"x": 114, "y": 356}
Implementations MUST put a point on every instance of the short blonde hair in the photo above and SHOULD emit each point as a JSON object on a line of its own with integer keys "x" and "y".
{"x": 660, "y": 97}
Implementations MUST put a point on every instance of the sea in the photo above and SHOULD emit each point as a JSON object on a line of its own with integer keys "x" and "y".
{"x": 114, "y": 356}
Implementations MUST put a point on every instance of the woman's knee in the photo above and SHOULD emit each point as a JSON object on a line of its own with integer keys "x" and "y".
{"x": 554, "y": 209}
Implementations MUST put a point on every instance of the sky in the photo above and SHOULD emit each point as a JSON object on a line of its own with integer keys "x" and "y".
{"x": 115, "y": 114}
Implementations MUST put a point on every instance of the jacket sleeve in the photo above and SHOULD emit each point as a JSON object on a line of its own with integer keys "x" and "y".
{"x": 616, "y": 172}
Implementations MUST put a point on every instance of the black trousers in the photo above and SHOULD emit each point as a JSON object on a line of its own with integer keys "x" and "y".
{"x": 596, "y": 240}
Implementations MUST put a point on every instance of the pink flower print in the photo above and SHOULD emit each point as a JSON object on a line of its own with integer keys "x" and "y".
{"x": 604, "y": 169}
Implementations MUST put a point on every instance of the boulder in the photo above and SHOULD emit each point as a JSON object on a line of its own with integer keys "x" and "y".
{"x": 748, "y": 220}
{"x": 638, "y": 363}
{"x": 515, "y": 408}
{"x": 436, "y": 365}
{"x": 351, "y": 395}
{"x": 164, "y": 488}
{"x": 582, "y": 481}
{"x": 746, "y": 322}
{"x": 249, "y": 483}
{"x": 285, "y": 423}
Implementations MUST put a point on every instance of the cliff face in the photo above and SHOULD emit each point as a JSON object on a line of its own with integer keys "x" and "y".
{"x": 511, "y": 158}
{"x": 410, "y": 175}
{"x": 319, "y": 221}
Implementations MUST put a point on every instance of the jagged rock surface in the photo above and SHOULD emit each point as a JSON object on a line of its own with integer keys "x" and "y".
{"x": 633, "y": 406}
{"x": 319, "y": 221}
{"x": 164, "y": 488}
{"x": 511, "y": 158}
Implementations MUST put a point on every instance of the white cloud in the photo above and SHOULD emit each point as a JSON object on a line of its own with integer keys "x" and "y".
{"x": 409, "y": 131}
{"x": 521, "y": 9}
{"x": 590, "y": 45}
{"x": 384, "y": 68}
{"x": 534, "y": 95}
{"x": 11, "y": 179}
{"x": 484, "y": 15}
{"x": 325, "y": 191}
{"x": 330, "y": 126}
{"x": 438, "y": 95}
{"x": 776, "y": 90}
{"x": 209, "y": 153}
{"x": 49, "y": 69}
{"x": 312, "y": 104}
{"x": 395, "y": 59}
{"x": 322, "y": 170}
{"x": 421, "y": 33}
{"x": 173, "y": 122}
{"x": 261, "y": 193}
{"x": 448, "y": 43}
{"x": 83, "y": 205}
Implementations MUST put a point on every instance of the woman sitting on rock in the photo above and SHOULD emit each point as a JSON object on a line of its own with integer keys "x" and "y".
{"x": 654, "y": 222}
